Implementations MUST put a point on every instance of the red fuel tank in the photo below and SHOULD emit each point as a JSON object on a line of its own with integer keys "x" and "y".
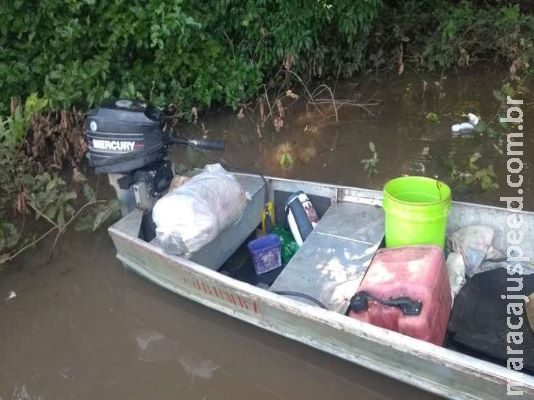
{"x": 406, "y": 289}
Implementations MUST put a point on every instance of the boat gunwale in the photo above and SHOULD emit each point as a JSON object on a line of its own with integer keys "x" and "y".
{"x": 467, "y": 364}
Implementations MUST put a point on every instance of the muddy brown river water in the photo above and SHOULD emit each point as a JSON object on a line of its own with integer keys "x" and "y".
{"x": 82, "y": 327}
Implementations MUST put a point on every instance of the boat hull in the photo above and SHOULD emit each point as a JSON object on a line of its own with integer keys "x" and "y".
{"x": 423, "y": 365}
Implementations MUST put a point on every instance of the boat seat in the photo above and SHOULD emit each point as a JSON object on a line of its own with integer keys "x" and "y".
{"x": 216, "y": 252}
{"x": 334, "y": 258}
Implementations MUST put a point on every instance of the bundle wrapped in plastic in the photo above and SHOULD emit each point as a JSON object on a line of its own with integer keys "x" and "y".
{"x": 192, "y": 215}
{"x": 475, "y": 244}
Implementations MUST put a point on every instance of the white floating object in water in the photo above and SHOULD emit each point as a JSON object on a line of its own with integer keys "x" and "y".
{"x": 11, "y": 295}
{"x": 473, "y": 119}
{"x": 464, "y": 126}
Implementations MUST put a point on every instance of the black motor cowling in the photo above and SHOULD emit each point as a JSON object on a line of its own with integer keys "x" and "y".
{"x": 124, "y": 135}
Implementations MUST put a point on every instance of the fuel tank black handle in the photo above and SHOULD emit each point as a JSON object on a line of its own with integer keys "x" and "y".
{"x": 359, "y": 303}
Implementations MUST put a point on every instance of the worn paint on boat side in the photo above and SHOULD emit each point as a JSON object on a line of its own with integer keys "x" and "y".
{"x": 417, "y": 363}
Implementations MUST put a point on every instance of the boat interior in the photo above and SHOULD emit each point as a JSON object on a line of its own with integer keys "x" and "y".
{"x": 330, "y": 265}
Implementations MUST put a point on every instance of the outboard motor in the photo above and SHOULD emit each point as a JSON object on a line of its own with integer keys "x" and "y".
{"x": 124, "y": 127}
{"x": 126, "y": 141}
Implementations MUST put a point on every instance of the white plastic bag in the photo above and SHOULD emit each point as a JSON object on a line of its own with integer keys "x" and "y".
{"x": 192, "y": 215}
{"x": 474, "y": 243}
{"x": 456, "y": 270}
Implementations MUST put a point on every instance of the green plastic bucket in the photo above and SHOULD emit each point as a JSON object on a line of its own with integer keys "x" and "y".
{"x": 416, "y": 210}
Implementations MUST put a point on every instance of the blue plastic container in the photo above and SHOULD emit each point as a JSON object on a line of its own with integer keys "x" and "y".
{"x": 265, "y": 253}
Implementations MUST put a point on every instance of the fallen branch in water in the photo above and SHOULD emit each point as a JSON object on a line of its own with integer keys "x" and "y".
{"x": 23, "y": 249}
{"x": 338, "y": 103}
{"x": 59, "y": 229}
{"x": 332, "y": 100}
{"x": 352, "y": 103}
{"x": 273, "y": 108}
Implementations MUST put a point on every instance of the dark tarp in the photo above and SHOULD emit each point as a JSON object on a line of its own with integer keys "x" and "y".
{"x": 478, "y": 324}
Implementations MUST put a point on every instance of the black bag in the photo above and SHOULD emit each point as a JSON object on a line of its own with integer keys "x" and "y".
{"x": 478, "y": 324}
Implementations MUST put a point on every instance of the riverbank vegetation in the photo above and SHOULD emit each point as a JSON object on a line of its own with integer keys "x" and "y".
{"x": 35, "y": 147}
{"x": 60, "y": 58}
{"x": 187, "y": 53}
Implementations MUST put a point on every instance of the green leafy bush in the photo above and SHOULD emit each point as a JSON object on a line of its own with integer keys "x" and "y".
{"x": 439, "y": 35}
{"x": 184, "y": 52}
{"x": 13, "y": 128}
{"x": 179, "y": 51}
{"x": 27, "y": 187}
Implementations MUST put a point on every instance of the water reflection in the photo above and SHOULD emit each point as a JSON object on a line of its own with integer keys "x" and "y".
{"x": 406, "y": 142}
